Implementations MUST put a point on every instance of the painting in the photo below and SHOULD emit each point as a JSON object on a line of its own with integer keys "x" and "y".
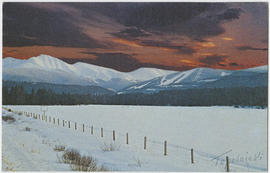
{"x": 135, "y": 86}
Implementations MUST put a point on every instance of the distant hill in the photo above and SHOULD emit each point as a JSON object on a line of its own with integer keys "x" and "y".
{"x": 59, "y": 88}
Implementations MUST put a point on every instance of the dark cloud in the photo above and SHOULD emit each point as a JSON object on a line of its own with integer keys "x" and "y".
{"x": 195, "y": 20}
{"x": 25, "y": 25}
{"x": 213, "y": 60}
{"x": 131, "y": 33}
{"x": 244, "y": 48}
{"x": 166, "y": 44}
{"x": 117, "y": 61}
{"x": 204, "y": 26}
{"x": 233, "y": 64}
{"x": 223, "y": 65}
{"x": 200, "y": 40}
{"x": 230, "y": 14}
{"x": 158, "y": 15}
{"x": 121, "y": 62}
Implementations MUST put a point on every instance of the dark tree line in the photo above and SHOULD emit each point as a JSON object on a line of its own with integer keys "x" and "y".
{"x": 243, "y": 96}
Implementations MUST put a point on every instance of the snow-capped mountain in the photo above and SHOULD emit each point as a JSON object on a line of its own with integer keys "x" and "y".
{"x": 202, "y": 78}
{"x": 260, "y": 69}
{"x": 48, "y": 69}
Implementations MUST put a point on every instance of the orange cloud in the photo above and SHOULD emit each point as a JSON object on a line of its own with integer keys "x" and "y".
{"x": 206, "y": 54}
{"x": 126, "y": 42}
{"x": 227, "y": 38}
{"x": 137, "y": 44}
{"x": 189, "y": 62}
{"x": 206, "y": 44}
{"x": 30, "y": 51}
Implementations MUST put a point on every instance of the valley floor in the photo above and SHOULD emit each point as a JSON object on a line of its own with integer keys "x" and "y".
{"x": 213, "y": 132}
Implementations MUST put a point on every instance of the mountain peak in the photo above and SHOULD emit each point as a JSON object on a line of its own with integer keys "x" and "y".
{"x": 258, "y": 69}
{"x": 43, "y": 57}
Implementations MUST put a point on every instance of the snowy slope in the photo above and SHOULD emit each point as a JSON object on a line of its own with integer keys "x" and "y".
{"x": 203, "y": 78}
{"x": 48, "y": 69}
{"x": 260, "y": 69}
{"x": 212, "y": 131}
{"x": 186, "y": 79}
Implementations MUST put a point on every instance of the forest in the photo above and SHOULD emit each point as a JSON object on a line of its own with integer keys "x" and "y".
{"x": 241, "y": 96}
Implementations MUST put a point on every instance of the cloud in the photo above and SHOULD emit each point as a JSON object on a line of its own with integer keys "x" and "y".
{"x": 244, "y": 48}
{"x": 195, "y": 20}
{"x": 118, "y": 61}
{"x": 56, "y": 24}
{"x": 214, "y": 60}
{"x": 131, "y": 33}
{"x": 227, "y": 38}
{"x": 230, "y": 14}
{"x": 27, "y": 25}
{"x": 126, "y": 42}
{"x": 123, "y": 62}
{"x": 168, "y": 45}
{"x": 233, "y": 64}
{"x": 163, "y": 45}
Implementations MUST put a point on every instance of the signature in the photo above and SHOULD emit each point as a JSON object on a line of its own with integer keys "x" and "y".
{"x": 246, "y": 158}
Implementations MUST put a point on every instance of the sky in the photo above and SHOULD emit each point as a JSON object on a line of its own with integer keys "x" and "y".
{"x": 126, "y": 36}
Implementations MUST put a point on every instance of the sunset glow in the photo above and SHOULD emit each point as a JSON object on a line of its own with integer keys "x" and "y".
{"x": 233, "y": 37}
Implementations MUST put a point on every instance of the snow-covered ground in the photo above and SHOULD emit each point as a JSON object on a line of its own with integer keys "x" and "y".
{"x": 213, "y": 132}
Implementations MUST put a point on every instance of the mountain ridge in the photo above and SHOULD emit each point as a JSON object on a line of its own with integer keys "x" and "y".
{"x": 48, "y": 69}
{"x": 88, "y": 74}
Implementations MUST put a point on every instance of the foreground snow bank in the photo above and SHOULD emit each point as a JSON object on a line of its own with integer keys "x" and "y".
{"x": 213, "y": 132}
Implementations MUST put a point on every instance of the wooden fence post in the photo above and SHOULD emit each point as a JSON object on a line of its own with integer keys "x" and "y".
{"x": 58, "y": 121}
{"x": 144, "y": 146}
{"x": 127, "y": 137}
{"x": 227, "y": 164}
{"x": 165, "y": 148}
{"x": 75, "y": 126}
{"x": 102, "y": 132}
{"x": 53, "y": 120}
{"x": 113, "y": 135}
{"x": 83, "y": 127}
{"x": 92, "y": 130}
{"x": 49, "y": 119}
{"x": 46, "y": 118}
{"x": 63, "y": 123}
{"x": 192, "y": 156}
{"x": 38, "y": 116}
{"x": 68, "y": 124}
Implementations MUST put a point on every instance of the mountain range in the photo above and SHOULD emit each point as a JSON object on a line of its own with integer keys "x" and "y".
{"x": 47, "y": 69}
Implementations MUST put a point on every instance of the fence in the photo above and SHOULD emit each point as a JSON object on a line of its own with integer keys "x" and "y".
{"x": 91, "y": 129}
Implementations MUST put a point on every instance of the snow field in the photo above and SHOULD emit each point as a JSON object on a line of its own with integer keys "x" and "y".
{"x": 211, "y": 131}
